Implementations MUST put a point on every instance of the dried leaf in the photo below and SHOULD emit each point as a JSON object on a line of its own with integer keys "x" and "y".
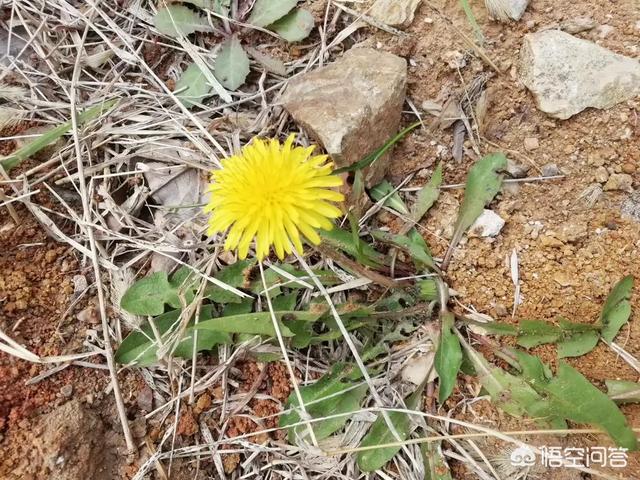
{"x": 272, "y": 64}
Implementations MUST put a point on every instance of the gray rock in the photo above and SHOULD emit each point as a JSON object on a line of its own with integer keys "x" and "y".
{"x": 352, "y": 106}
{"x": 550, "y": 170}
{"x": 631, "y": 206}
{"x": 516, "y": 170}
{"x": 506, "y": 9}
{"x": 395, "y": 13}
{"x": 567, "y": 74}
{"x": 578, "y": 24}
{"x": 488, "y": 224}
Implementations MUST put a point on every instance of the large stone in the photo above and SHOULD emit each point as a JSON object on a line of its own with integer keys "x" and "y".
{"x": 395, "y": 13}
{"x": 351, "y": 106}
{"x": 567, "y": 74}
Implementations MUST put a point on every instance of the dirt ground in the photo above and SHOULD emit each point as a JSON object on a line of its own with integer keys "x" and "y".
{"x": 570, "y": 252}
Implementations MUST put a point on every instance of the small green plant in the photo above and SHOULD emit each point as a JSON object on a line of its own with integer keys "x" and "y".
{"x": 231, "y": 65}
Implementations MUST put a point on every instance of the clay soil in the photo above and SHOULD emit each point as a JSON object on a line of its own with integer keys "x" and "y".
{"x": 570, "y": 253}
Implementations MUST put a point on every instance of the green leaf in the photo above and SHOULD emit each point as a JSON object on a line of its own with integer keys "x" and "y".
{"x": 617, "y": 309}
{"x": 257, "y": 323}
{"x": 622, "y": 391}
{"x": 448, "y": 358}
{"x": 428, "y": 289}
{"x": 436, "y": 467}
{"x": 393, "y": 200}
{"x": 344, "y": 241}
{"x": 53, "y": 134}
{"x": 140, "y": 346}
{"x": 372, "y": 157}
{"x": 344, "y": 395}
{"x": 381, "y": 434}
{"x": 578, "y": 344}
{"x": 266, "y": 12}
{"x": 148, "y": 295}
{"x": 513, "y": 394}
{"x": 294, "y": 26}
{"x": 483, "y": 183}
{"x": 533, "y": 370}
{"x": 412, "y": 244}
{"x": 192, "y": 86}
{"x": 575, "y": 398}
{"x": 537, "y": 332}
{"x": 232, "y": 64}
{"x": 234, "y": 275}
{"x": 176, "y": 20}
{"x": 427, "y": 195}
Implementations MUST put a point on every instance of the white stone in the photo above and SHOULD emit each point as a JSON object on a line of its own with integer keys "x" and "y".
{"x": 567, "y": 74}
{"x": 488, "y": 224}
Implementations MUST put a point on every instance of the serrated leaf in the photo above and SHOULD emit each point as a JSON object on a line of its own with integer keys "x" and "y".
{"x": 384, "y": 189}
{"x": 575, "y": 398}
{"x": 577, "y": 344}
{"x": 232, "y": 64}
{"x": 332, "y": 394}
{"x": 176, "y": 20}
{"x": 149, "y": 295}
{"x": 532, "y": 333}
{"x": 234, "y": 275}
{"x": 513, "y": 394}
{"x": 617, "y": 309}
{"x": 622, "y": 391}
{"x": 266, "y": 12}
{"x": 192, "y": 86}
{"x": 482, "y": 185}
{"x": 448, "y": 358}
{"x": 381, "y": 434}
{"x": 140, "y": 346}
{"x": 257, "y": 323}
{"x": 427, "y": 195}
{"x": 294, "y": 26}
{"x": 50, "y": 136}
{"x": 412, "y": 244}
{"x": 343, "y": 240}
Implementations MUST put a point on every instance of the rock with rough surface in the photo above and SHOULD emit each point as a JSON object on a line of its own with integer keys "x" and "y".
{"x": 352, "y": 106}
{"x": 395, "y": 13}
{"x": 567, "y": 74}
{"x": 506, "y": 9}
{"x": 488, "y": 224}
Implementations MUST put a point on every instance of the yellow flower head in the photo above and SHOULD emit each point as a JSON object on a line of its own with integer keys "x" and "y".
{"x": 273, "y": 193}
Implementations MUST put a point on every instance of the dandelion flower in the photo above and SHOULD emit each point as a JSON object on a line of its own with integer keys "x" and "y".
{"x": 273, "y": 193}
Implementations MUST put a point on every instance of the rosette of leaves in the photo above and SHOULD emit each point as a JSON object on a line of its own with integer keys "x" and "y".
{"x": 231, "y": 65}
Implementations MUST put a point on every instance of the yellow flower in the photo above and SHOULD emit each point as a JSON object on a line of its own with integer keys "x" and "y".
{"x": 273, "y": 193}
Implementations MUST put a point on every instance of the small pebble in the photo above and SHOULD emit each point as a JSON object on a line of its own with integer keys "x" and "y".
{"x": 601, "y": 175}
{"x": 531, "y": 143}
{"x": 619, "y": 181}
{"x": 628, "y": 168}
{"x": 550, "y": 170}
{"x": 66, "y": 391}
